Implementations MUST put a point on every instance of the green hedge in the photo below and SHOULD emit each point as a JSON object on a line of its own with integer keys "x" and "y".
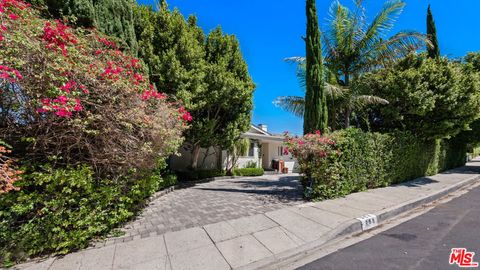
{"x": 199, "y": 175}
{"x": 370, "y": 160}
{"x": 248, "y": 172}
{"x": 61, "y": 210}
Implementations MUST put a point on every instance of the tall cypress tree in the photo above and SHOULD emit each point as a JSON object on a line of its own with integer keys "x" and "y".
{"x": 434, "y": 50}
{"x": 316, "y": 113}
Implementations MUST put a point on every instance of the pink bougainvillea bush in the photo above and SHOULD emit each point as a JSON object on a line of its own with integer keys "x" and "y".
{"x": 69, "y": 96}
{"x": 316, "y": 155}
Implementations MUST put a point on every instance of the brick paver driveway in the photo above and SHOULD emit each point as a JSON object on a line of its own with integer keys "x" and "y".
{"x": 213, "y": 202}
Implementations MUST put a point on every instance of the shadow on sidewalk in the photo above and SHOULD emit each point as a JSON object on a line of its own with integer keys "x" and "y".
{"x": 417, "y": 182}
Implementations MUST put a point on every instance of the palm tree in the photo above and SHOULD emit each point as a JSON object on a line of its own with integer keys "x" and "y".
{"x": 353, "y": 47}
{"x": 340, "y": 98}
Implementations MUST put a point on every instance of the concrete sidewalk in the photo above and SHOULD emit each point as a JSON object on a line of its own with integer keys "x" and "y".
{"x": 265, "y": 240}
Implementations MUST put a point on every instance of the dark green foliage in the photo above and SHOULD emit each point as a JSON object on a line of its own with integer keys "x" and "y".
{"x": 371, "y": 160}
{"x": 316, "y": 113}
{"x": 433, "y": 51}
{"x": 61, "y": 210}
{"x": 171, "y": 48}
{"x": 248, "y": 172}
{"x": 432, "y": 98}
{"x": 112, "y": 17}
{"x": 115, "y": 18}
{"x": 208, "y": 74}
{"x": 225, "y": 107}
{"x": 473, "y": 61}
{"x": 185, "y": 176}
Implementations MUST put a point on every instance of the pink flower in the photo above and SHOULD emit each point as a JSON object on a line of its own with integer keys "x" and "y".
{"x": 84, "y": 89}
{"x": 46, "y": 101}
{"x": 187, "y": 117}
{"x": 63, "y": 112}
{"x": 68, "y": 86}
{"x": 18, "y": 75}
{"x": 78, "y": 108}
{"x": 61, "y": 99}
{"x": 13, "y": 16}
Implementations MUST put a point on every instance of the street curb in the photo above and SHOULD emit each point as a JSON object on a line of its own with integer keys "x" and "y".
{"x": 352, "y": 227}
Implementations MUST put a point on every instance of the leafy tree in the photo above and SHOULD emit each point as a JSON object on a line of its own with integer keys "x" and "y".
{"x": 432, "y": 98}
{"x": 315, "y": 113}
{"x": 473, "y": 61}
{"x": 224, "y": 108}
{"x": 173, "y": 52}
{"x": 434, "y": 50}
{"x": 472, "y": 135}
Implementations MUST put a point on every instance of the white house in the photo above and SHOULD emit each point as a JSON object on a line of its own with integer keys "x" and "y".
{"x": 265, "y": 147}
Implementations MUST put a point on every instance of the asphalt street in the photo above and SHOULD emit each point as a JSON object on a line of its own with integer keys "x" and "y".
{"x": 424, "y": 242}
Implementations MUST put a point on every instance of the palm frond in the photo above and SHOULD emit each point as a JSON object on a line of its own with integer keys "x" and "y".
{"x": 387, "y": 52}
{"x": 301, "y": 72}
{"x": 295, "y": 60}
{"x": 293, "y": 104}
{"x": 340, "y": 22}
{"x": 383, "y": 22}
{"x": 366, "y": 100}
{"x": 334, "y": 90}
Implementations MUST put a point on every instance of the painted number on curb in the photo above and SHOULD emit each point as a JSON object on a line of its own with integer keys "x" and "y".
{"x": 368, "y": 221}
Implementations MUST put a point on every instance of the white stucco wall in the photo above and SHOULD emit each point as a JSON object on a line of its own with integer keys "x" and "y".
{"x": 244, "y": 160}
{"x": 273, "y": 149}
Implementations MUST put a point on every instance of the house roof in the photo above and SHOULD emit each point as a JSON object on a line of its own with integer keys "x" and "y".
{"x": 257, "y": 133}
{"x": 257, "y": 128}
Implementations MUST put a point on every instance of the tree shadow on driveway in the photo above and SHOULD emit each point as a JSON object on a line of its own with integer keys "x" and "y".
{"x": 284, "y": 189}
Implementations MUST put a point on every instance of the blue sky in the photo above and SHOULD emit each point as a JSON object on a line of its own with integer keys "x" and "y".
{"x": 271, "y": 30}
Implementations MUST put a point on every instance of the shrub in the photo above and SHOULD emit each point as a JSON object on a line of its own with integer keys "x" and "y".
{"x": 351, "y": 160}
{"x": 71, "y": 97}
{"x": 61, "y": 210}
{"x": 432, "y": 98}
{"x": 248, "y": 172}
{"x": 251, "y": 164}
{"x": 199, "y": 174}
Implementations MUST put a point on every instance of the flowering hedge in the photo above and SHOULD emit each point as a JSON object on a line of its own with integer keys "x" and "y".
{"x": 74, "y": 98}
{"x": 351, "y": 160}
{"x": 315, "y": 154}
{"x": 89, "y": 130}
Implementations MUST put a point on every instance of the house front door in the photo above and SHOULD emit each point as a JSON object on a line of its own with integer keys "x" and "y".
{"x": 265, "y": 156}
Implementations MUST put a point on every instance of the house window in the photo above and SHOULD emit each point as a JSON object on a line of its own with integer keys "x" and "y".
{"x": 280, "y": 151}
{"x": 251, "y": 149}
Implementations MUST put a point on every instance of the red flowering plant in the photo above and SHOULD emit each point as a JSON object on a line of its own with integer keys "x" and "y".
{"x": 77, "y": 99}
{"x": 315, "y": 154}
